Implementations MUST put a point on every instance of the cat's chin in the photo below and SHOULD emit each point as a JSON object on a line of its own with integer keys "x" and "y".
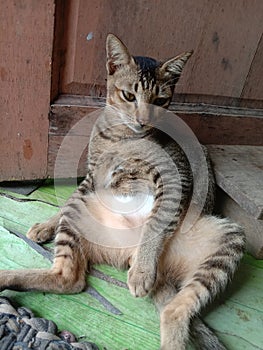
{"x": 138, "y": 129}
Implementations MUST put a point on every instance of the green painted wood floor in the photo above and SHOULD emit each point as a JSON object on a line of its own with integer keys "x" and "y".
{"x": 237, "y": 317}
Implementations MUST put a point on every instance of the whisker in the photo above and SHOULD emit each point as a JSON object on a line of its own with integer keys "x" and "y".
{"x": 121, "y": 113}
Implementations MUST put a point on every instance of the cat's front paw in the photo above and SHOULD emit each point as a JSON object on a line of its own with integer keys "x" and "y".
{"x": 141, "y": 280}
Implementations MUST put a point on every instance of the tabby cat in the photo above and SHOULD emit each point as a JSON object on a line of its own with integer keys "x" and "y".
{"x": 129, "y": 210}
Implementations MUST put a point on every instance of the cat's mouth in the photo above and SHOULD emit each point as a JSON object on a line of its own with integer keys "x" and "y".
{"x": 138, "y": 128}
{"x": 133, "y": 124}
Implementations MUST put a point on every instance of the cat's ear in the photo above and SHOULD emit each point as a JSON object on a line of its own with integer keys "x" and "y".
{"x": 117, "y": 54}
{"x": 174, "y": 66}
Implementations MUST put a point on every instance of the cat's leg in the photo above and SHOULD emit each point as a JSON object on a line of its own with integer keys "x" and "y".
{"x": 177, "y": 329}
{"x": 226, "y": 243}
{"x": 161, "y": 225}
{"x": 68, "y": 272}
{"x": 43, "y": 232}
{"x": 67, "y": 275}
{"x": 201, "y": 335}
{"x": 176, "y": 316}
{"x": 142, "y": 272}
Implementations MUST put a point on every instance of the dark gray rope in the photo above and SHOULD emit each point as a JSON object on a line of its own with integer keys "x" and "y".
{"x": 21, "y": 330}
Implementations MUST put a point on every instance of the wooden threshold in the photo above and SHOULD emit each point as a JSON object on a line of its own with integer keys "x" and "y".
{"x": 212, "y": 124}
{"x": 193, "y": 107}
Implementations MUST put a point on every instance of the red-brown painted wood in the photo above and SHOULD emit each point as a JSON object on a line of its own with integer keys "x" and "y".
{"x": 225, "y": 69}
{"x": 26, "y": 29}
{"x": 74, "y": 117}
{"x": 253, "y": 87}
{"x": 225, "y": 36}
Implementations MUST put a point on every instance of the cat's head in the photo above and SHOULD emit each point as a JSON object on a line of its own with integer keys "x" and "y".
{"x": 135, "y": 83}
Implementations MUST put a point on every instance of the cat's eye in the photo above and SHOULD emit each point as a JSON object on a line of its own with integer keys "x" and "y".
{"x": 161, "y": 101}
{"x": 128, "y": 96}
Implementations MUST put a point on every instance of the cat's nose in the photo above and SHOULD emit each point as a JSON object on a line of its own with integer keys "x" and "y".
{"x": 142, "y": 120}
{"x": 143, "y": 113}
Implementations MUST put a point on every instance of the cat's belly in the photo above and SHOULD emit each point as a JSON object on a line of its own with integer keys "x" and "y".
{"x": 134, "y": 208}
{"x": 118, "y": 220}
{"x": 119, "y": 211}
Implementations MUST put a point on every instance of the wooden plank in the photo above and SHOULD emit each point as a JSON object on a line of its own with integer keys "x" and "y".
{"x": 253, "y": 86}
{"x": 94, "y": 103}
{"x": 227, "y": 47}
{"x": 22, "y": 187}
{"x": 211, "y": 124}
{"x": 9, "y": 257}
{"x": 70, "y": 129}
{"x": 253, "y": 227}
{"x": 239, "y": 173}
{"x": 25, "y": 73}
{"x": 218, "y": 100}
{"x": 21, "y": 216}
{"x": 55, "y": 192}
{"x": 74, "y": 117}
{"x": 58, "y": 47}
{"x": 67, "y": 156}
{"x": 246, "y": 288}
{"x": 236, "y": 326}
{"x": 220, "y": 129}
{"x": 238, "y": 312}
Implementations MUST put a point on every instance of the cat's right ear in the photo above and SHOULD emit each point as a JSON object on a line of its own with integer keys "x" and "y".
{"x": 117, "y": 54}
{"x": 173, "y": 67}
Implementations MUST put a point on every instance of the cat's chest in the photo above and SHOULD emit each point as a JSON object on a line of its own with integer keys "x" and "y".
{"x": 134, "y": 207}
{"x": 119, "y": 219}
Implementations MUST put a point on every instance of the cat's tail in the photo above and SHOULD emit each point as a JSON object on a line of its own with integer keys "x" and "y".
{"x": 203, "y": 337}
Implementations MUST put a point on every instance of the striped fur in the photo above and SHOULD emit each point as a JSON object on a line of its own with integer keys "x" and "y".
{"x": 130, "y": 161}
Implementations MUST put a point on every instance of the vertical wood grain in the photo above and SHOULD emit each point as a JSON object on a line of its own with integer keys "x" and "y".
{"x": 26, "y": 38}
{"x": 224, "y": 35}
{"x": 150, "y": 28}
{"x": 227, "y": 47}
{"x": 253, "y": 87}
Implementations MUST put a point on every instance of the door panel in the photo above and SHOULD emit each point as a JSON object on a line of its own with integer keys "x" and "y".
{"x": 26, "y": 30}
{"x": 224, "y": 35}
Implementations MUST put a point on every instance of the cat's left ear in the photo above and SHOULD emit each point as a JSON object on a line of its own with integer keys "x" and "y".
{"x": 174, "y": 66}
{"x": 117, "y": 54}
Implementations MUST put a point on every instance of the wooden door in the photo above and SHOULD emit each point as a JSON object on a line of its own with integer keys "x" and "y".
{"x": 26, "y": 39}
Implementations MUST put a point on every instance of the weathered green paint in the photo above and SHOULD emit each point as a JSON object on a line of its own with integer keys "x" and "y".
{"x": 237, "y": 317}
